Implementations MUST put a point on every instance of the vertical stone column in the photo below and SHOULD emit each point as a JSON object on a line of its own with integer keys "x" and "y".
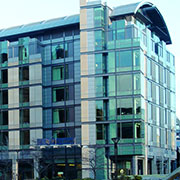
{"x": 15, "y": 169}
{"x": 36, "y": 164}
{"x": 145, "y": 165}
{"x": 88, "y": 131}
{"x": 154, "y": 166}
{"x": 169, "y": 166}
{"x": 134, "y": 165}
{"x": 162, "y": 166}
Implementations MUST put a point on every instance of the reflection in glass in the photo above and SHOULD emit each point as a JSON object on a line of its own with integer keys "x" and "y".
{"x": 124, "y": 61}
{"x": 124, "y": 84}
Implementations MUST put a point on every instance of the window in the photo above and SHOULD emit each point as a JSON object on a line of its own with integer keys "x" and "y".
{"x": 4, "y": 57}
{"x": 62, "y": 50}
{"x": 69, "y": 92}
{"x": 100, "y": 86}
{"x": 13, "y": 51}
{"x": 160, "y": 50}
{"x": 99, "y": 17}
{"x": 4, "y": 97}
{"x": 152, "y": 45}
{"x": 138, "y": 130}
{"x": 112, "y": 109}
{"x": 69, "y": 49}
{"x": 168, "y": 56}
{"x": 4, "y": 138}
{"x": 166, "y": 136}
{"x": 105, "y": 109}
{"x": 23, "y": 52}
{"x": 105, "y": 86}
{"x": 161, "y": 96}
{"x": 58, "y": 51}
{"x": 60, "y": 133}
{"x": 127, "y": 130}
{"x": 124, "y": 84}
{"x": 76, "y": 32}
{"x": 62, "y": 72}
{"x": 68, "y": 33}
{"x": 46, "y": 37}
{"x": 137, "y": 106}
{"x": 99, "y": 40}
{"x": 111, "y": 35}
{"x": 129, "y": 32}
{"x": 62, "y": 115}
{"x": 161, "y": 78}
{"x": 4, "y": 76}
{"x": 63, "y": 93}
{"x": 99, "y": 63}
{"x": 111, "y": 62}
{"x": 23, "y": 49}
{"x": 34, "y": 48}
{"x": 137, "y": 83}
{"x": 136, "y": 59}
{"x": 124, "y": 61}
{"x": 70, "y": 114}
{"x": 158, "y": 136}
{"x": 168, "y": 79}
{"x": 120, "y": 24}
{"x": 124, "y": 107}
{"x": 24, "y": 137}
{"x": 58, "y": 94}
{"x": 100, "y": 132}
{"x": 4, "y": 118}
{"x": 58, "y": 73}
{"x": 24, "y": 73}
{"x": 24, "y": 95}
{"x": 120, "y": 34}
{"x": 57, "y": 34}
{"x": 110, "y": 86}
{"x": 4, "y": 54}
{"x": 24, "y": 116}
{"x": 58, "y": 116}
{"x": 64, "y": 133}
{"x": 69, "y": 71}
{"x": 100, "y": 111}
{"x": 154, "y": 92}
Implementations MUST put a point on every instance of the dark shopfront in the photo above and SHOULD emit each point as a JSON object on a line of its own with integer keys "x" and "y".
{"x": 63, "y": 161}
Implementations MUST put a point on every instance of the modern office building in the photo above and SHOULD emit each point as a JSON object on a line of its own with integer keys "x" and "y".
{"x": 76, "y": 82}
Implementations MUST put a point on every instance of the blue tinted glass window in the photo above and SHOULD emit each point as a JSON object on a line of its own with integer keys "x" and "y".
{"x": 124, "y": 61}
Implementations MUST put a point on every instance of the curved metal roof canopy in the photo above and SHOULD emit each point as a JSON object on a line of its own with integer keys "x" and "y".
{"x": 149, "y": 14}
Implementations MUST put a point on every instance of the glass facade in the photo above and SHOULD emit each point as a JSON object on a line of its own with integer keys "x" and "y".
{"x": 88, "y": 82}
{"x": 133, "y": 84}
{"x": 40, "y": 93}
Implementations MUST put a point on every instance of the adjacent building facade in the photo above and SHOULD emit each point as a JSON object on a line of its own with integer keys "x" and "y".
{"x": 76, "y": 82}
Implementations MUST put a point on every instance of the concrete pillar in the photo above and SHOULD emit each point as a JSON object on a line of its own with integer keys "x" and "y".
{"x": 134, "y": 165}
{"x": 145, "y": 165}
{"x": 154, "y": 165}
{"x": 36, "y": 166}
{"x": 15, "y": 169}
{"x": 169, "y": 166}
{"x": 162, "y": 166}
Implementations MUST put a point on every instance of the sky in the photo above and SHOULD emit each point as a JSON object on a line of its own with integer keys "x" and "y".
{"x": 19, "y": 12}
